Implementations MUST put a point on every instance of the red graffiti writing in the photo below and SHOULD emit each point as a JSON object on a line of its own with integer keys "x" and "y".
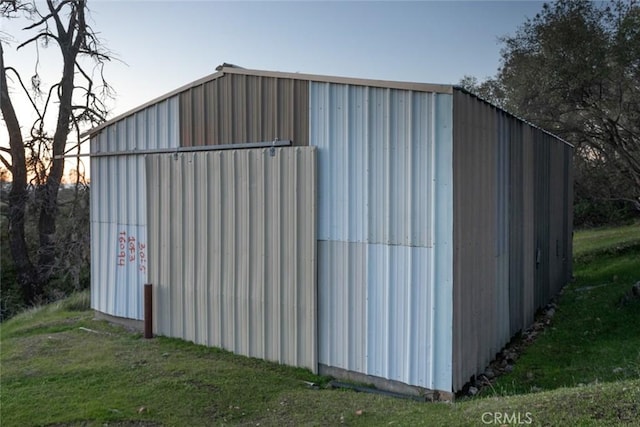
{"x": 142, "y": 257}
{"x": 130, "y": 250}
{"x": 122, "y": 245}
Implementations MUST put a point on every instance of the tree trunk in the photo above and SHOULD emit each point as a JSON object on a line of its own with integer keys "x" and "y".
{"x": 49, "y": 196}
{"x": 26, "y": 273}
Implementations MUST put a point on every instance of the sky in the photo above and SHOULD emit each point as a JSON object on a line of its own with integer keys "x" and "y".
{"x": 162, "y": 45}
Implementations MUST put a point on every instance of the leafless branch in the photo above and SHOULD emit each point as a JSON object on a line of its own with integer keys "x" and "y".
{"x": 26, "y": 91}
{"x": 10, "y": 7}
{"x": 45, "y": 34}
{"x": 6, "y": 163}
{"x": 44, "y": 19}
{"x": 95, "y": 54}
{"x": 93, "y": 106}
{"x": 77, "y": 27}
{"x": 46, "y": 104}
{"x": 56, "y": 16}
{"x": 90, "y": 111}
{"x": 86, "y": 76}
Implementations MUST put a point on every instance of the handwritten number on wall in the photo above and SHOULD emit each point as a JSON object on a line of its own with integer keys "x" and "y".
{"x": 131, "y": 249}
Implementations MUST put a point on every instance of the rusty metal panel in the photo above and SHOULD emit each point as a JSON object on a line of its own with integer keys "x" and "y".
{"x": 238, "y": 108}
{"x": 232, "y": 250}
{"x": 118, "y": 207}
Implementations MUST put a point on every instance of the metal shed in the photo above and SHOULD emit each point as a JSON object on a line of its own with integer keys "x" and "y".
{"x": 387, "y": 232}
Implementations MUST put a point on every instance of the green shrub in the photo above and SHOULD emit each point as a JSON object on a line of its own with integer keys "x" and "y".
{"x": 588, "y": 213}
{"x": 72, "y": 272}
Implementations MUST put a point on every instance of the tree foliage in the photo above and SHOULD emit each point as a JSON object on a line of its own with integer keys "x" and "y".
{"x": 574, "y": 69}
{"x": 490, "y": 90}
{"x": 36, "y": 159}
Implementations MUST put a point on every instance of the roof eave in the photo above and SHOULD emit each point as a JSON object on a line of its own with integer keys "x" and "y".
{"x": 421, "y": 87}
{"x": 154, "y": 101}
{"x": 468, "y": 92}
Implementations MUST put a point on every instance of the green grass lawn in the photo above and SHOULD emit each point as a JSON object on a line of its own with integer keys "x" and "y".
{"x": 599, "y": 240}
{"x": 60, "y": 367}
{"x": 595, "y": 334}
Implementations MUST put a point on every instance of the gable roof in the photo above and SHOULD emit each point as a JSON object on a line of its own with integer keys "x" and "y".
{"x": 226, "y": 68}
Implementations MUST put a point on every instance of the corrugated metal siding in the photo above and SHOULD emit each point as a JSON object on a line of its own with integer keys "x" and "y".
{"x": 239, "y": 108}
{"x": 552, "y": 217}
{"x": 342, "y": 276}
{"x": 515, "y": 208}
{"x": 377, "y": 160}
{"x": 232, "y": 238}
{"x": 475, "y": 261}
{"x": 556, "y": 220}
{"x": 527, "y": 263}
{"x": 568, "y": 211}
{"x": 541, "y": 219}
{"x": 118, "y": 207}
{"x": 383, "y": 322}
{"x": 503, "y": 220}
{"x": 559, "y": 217}
{"x": 385, "y": 229}
{"x": 511, "y": 228}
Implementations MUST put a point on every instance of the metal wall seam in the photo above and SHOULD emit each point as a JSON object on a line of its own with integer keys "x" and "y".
{"x": 374, "y": 314}
{"x": 236, "y": 266}
{"x": 118, "y": 207}
{"x": 384, "y": 231}
{"x": 374, "y": 163}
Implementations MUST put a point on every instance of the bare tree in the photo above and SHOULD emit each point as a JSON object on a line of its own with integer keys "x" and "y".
{"x": 38, "y": 158}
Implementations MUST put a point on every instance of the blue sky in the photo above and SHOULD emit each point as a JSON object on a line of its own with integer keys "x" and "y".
{"x": 166, "y": 44}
